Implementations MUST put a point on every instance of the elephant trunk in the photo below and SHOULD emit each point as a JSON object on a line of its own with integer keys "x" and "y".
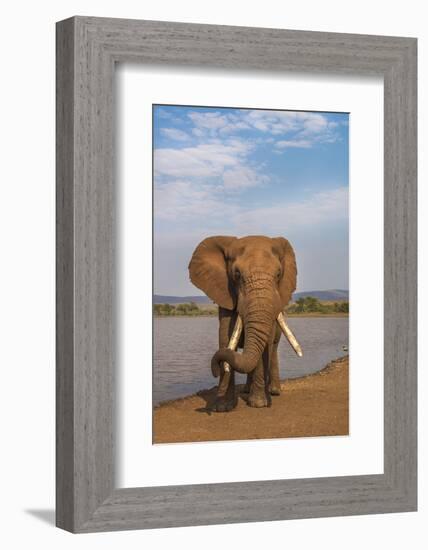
{"x": 258, "y": 315}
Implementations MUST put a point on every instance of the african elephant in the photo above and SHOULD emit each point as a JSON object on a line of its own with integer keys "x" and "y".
{"x": 252, "y": 280}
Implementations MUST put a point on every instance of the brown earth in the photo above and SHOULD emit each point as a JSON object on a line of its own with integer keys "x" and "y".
{"x": 314, "y": 405}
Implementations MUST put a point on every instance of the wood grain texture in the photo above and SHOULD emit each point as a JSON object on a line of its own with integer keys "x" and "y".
{"x": 64, "y": 277}
{"x": 87, "y": 49}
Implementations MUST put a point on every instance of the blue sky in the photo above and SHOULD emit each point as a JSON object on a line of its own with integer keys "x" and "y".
{"x": 224, "y": 171}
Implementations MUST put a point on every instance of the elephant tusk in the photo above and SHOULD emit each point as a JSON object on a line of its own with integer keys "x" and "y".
{"x": 234, "y": 339}
{"x": 289, "y": 335}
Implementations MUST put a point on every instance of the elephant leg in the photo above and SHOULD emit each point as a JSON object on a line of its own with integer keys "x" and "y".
{"x": 259, "y": 395}
{"x": 225, "y": 399}
{"x": 275, "y": 385}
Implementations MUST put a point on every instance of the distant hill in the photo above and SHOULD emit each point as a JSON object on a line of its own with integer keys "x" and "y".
{"x": 329, "y": 295}
{"x": 159, "y": 299}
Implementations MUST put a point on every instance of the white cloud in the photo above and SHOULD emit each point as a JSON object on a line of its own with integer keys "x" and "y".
{"x": 297, "y": 126}
{"x": 197, "y": 132}
{"x": 162, "y": 113}
{"x": 273, "y": 122}
{"x": 302, "y": 125}
{"x": 191, "y": 183}
{"x": 298, "y": 143}
{"x": 242, "y": 177}
{"x": 175, "y": 134}
{"x": 206, "y": 160}
{"x": 209, "y": 120}
{"x": 314, "y": 124}
{"x": 182, "y": 201}
{"x": 323, "y": 207}
{"x": 206, "y": 207}
{"x": 181, "y": 163}
{"x": 232, "y": 127}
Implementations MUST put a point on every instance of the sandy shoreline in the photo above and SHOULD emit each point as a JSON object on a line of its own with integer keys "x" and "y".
{"x": 314, "y": 405}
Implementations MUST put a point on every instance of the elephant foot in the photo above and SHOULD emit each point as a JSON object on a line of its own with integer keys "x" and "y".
{"x": 224, "y": 405}
{"x": 275, "y": 390}
{"x": 257, "y": 401}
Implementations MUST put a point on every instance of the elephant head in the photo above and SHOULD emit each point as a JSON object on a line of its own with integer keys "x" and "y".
{"x": 255, "y": 276}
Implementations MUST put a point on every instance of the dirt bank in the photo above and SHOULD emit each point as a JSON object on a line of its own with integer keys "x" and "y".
{"x": 314, "y": 405}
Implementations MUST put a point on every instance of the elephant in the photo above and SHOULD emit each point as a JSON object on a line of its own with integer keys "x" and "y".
{"x": 251, "y": 279}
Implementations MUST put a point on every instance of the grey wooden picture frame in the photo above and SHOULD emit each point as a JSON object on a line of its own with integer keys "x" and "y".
{"x": 87, "y": 51}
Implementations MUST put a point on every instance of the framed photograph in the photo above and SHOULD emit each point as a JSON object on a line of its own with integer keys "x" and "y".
{"x": 254, "y": 173}
{"x": 236, "y": 274}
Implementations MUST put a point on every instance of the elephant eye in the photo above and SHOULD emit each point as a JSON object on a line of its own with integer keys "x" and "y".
{"x": 279, "y": 274}
{"x": 237, "y": 274}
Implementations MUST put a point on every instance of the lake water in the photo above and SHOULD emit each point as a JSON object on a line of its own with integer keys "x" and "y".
{"x": 183, "y": 347}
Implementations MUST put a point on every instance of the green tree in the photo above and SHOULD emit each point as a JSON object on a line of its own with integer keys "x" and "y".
{"x": 341, "y": 307}
{"x": 168, "y": 309}
{"x": 300, "y": 305}
{"x": 311, "y": 304}
{"x": 182, "y": 309}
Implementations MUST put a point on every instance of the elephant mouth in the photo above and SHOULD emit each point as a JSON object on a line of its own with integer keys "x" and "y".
{"x": 237, "y": 331}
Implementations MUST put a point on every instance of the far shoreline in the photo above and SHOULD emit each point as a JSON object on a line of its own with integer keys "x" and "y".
{"x": 288, "y": 315}
{"x": 303, "y": 307}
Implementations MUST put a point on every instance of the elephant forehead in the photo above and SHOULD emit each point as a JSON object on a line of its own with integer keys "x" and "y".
{"x": 251, "y": 244}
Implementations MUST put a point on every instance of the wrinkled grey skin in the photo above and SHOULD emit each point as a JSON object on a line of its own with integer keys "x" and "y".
{"x": 254, "y": 277}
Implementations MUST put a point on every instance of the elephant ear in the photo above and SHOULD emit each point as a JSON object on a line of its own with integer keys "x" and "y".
{"x": 287, "y": 284}
{"x": 208, "y": 270}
